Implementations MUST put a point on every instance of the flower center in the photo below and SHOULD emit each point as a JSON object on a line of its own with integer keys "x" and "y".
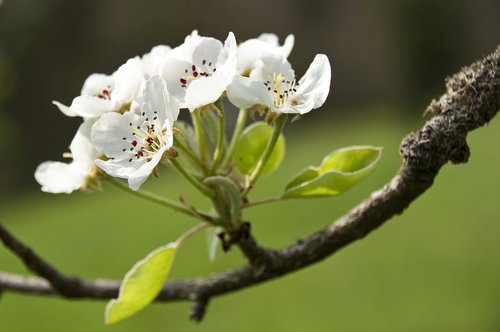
{"x": 280, "y": 88}
{"x": 145, "y": 140}
{"x": 205, "y": 69}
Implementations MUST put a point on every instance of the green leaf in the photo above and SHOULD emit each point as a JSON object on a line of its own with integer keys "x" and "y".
{"x": 213, "y": 242}
{"x": 141, "y": 284}
{"x": 339, "y": 171}
{"x": 251, "y": 146}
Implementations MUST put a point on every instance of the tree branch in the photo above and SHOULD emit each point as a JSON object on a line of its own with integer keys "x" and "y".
{"x": 472, "y": 99}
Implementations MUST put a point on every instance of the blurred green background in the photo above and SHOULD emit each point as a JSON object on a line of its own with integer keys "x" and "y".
{"x": 434, "y": 268}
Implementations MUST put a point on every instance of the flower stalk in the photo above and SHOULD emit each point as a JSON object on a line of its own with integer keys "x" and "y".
{"x": 156, "y": 199}
{"x": 178, "y": 143}
{"x": 219, "y": 149}
{"x": 200, "y": 136}
{"x": 195, "y": 182}
{"x": 279, "y": 124}
{"x": 240, "y": 124}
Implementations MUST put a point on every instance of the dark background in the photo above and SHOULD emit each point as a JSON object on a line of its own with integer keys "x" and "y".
{"x": 383, "y": 52}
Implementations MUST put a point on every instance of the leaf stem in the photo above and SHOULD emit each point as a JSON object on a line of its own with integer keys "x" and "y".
{"x": 240, "y": 124}
{"x": 156, "y": 199}
{"x": 195, "y": 182}
{"x": 191, "y": 232}
{"x": 220, "y": 138}
{"x": 279, "y": 124}
{"x": 262, "y": 201}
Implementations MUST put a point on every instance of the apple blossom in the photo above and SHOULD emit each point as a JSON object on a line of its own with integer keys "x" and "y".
{"x": 198, "y": 71}
{"x": 57, "y": 177}
{"x": 135, "y": 143}
{"x": 250, "y": 52}
{"x": 102, "y": 93}
{"x": 273, "y": 85}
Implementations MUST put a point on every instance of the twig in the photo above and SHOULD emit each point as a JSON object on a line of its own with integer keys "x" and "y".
{"x": 472, "y": 100}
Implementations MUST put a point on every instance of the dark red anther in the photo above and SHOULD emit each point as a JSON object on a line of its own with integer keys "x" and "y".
{"x": 193, "y": 68}
{"x": 195, "y": 73}
{"x": 149, "y": 140}
{"x": 134, "y": 143}
{"x": 140, "y": 154}
{"x": 183, "y": 81}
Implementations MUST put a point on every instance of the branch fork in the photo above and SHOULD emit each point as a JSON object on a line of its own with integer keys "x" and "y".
{"x": 472, "y": 99}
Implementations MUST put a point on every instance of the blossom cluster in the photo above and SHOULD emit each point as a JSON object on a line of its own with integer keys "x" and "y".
{"x": 129, "y": 116}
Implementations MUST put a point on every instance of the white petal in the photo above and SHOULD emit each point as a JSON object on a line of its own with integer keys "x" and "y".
{"x": 287, "y": 47}
{"x": 136, "y": 179}
{"x": 270, "y": 65}
{"x": 64, "y": 109}
{"x": 226, "y": 62}
{"x": 249, "y": 52}
{"x": 156, "y": 96}
{"x": 128, "y": 81}
{"x": 244, "y": 92}
{"x": 315, "y": 84}
{"x": 108, "y": 133}
{"x": 82, "y": 150}
{"x": 57, "y": 177}
{"x": 300, "y": 108}
{"x": 136, "y": 172}
{"x": 151, "y": 61}
{"x": 207, "y": 49}
{"x": 252, "y": 51}
{"x": 120, "y": 168}
{"x": 269, "y": 38}
{"x": 95, "y": 84}
{"x": 172, "y": 70}
{"x": 91, "y": 107}
{"x": 204, "y": 91}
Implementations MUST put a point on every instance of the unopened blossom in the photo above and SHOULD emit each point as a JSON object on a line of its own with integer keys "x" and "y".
{"x": 251, "y": 51}
{"x": 273, "y": 85}
{"x": 58, "y": 177}
{"x": 105, "y": 93}
{"x": 198, "y": 71}
{"x": 135, "y": 143}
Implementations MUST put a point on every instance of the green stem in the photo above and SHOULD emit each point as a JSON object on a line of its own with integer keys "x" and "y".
{"x": 155, "y": 198}
{"x": 263, "y": 201}
{"x": 191, "y": 232}
{"x": 195, "y": 182}
{"x": 240, "y": 124}
{"x": 279, "y": 124}
{"x": 200, "y": 135}
{"x": 220, "y": 138}
{"x": 178, "y": 143}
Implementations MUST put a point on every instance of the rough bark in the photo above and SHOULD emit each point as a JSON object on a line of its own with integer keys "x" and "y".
{"x": 471, "y": 100}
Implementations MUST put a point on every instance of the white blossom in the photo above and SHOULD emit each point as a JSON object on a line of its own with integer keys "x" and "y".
{"x": 198, "y": 71}
{"x": 58, "y": 177}
{"x": 105, "y": 93}
{"x": 252, "y": 51}
{"x": 273, "y": 85}
{"x": 135, "y": 143}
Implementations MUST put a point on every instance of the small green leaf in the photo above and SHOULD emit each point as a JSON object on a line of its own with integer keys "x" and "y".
{"x": 141, "y": 284}
{"x": 213, "y": 242}
{"x": 339, "y": 171}
{"x": 252, "y": 145}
